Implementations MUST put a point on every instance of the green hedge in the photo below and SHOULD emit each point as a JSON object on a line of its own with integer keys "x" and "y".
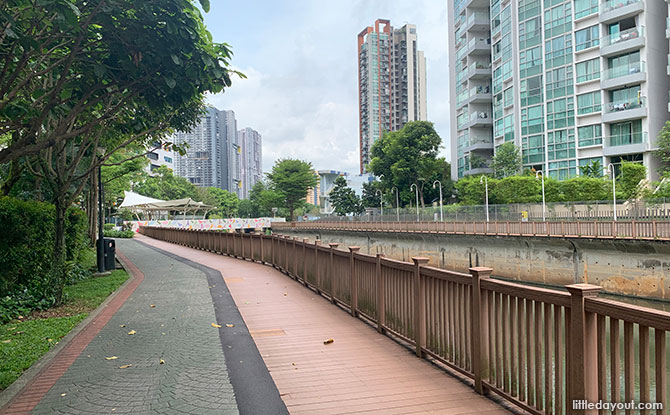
{"x": 118, "y": 234}
{"x": 27, "y": 274}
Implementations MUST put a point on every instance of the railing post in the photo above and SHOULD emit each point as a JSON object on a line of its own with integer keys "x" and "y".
{"x": 317, "y": 273}
{"x": 262, "y": 250}
{"x": 583, "y": 348}
{"x": 419, "y": 306}
{"x": 480, "y": 327}
{"x": 634, "y": 229}
{"x": 381, "y": 297}
{"x": 295, "y": 257}
{"x": 332, "y": 272}
{"x": 353, "y": 281}
{"x": 304, "y": 261}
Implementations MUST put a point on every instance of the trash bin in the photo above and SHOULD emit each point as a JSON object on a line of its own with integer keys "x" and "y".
{"x": 110, "y": 252}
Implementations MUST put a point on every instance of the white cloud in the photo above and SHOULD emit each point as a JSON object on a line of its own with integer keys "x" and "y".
{"x": 301, "y": 91}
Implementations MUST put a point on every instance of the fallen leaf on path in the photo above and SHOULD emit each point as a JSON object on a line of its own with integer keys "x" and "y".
{"x": 131, "y": 332}
{"x": 50, "y": 340}
{"x": 122, "y": 325}
{"x": 125, "y": 366}
{"x": 11, "y": 328}
{"x": 329, "y": 341}
{"x": 230, "y": 325}
{"x": 152, "y": 306}
{"x": 218, "y": 326}
{"x": 63, "y": 394}
{"x": 162, "y": 362}
{"x": 285, "y": 294}
{"x": 7, "y": 341}
{"x": 111, "y": 358}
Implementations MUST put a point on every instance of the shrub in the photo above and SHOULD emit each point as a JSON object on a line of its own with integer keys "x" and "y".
{"x": 108, "y": 226}
{"x": 517, "y": 189}
{"x": 118, "y": 234}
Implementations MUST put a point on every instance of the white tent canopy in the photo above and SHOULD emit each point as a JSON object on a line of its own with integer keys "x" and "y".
{"x": 155, "y": 207}
{"x": 134, "y": 199}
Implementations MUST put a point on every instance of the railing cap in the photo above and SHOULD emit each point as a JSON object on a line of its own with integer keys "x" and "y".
{"x": 333, "y": 244}
{"x": 584, "y": 290}
{"x": 354, "y": 248}
{"x": 481, "y": 272}
{"x": 419, "y": 260}
{"x": 380, "y": 255}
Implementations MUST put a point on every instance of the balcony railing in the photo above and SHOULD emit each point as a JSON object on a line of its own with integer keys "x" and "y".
{"x": 616, "y": 4}
{"x": 624, "y": 70}
{"x": 629, "y": 34}
{"x": 626, "y": 104}
{"x": 627, "y": 139}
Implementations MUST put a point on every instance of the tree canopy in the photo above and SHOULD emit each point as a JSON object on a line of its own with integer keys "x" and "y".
{"x": 344, "y": 199}
{"x": 663, "y": 144}
{"x": 407, "y": 156}
{"x": 166, "y": 186}
{"x": 507, "y": 161}
{"x": 291, "y": 179}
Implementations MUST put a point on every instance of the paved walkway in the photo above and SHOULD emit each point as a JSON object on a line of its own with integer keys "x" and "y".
{"x": 360, "y": 372}
{"x": 268, "y": 355}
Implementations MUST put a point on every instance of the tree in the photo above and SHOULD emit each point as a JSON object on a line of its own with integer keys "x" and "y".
{"x": 507, "y": 161}
{"x": 593, "y": 170}
{"x": 370, "y": 198}
{"x": 630, "y": 179}
{"x": 344, "y": 199}
{"x": 663, "y": 144}
{"x": 263, "y": 199}
{"x": 406, "y": 157}
{"x": 72, "y": 67}
{"x": 226, "y": 203}
{"x": 166, "y": 186}
{"x": 291, "y": 179}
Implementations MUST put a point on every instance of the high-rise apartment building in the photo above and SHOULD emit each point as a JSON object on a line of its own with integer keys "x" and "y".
{"x": 214, "y": 156}
{"x": 391, "y": 82}
{"x": 252, "y": 159}
{"x": 567, "y": 81}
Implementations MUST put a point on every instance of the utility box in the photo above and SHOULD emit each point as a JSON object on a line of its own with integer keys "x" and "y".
{"x": 110, "y": 253}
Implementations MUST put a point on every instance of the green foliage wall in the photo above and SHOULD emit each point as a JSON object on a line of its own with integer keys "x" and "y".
{"x": 26, "y": 248}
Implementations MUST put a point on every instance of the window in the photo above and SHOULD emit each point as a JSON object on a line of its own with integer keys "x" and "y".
{"x": 168, "y": 159}
{"x": 531, "y": 91}
{"x": 624, "y": 133}
{"x": 152, "y": 155}
{"x": 584, "y": 8}
{"x": 587, "y": 38}
{"x": 559, "y": 82}
{"x": 561, "y": 144}
{"x": 625, "y": 99}
{"x": 588, "y": 103}
{"x": 589, "y": 161}
{"x": 530, "y": 62}
{"x": 562, "y": 170}
{"x": 558, "y": 51}
{"x": 509, "y": 97}
{"x": 530, "y": 33}
{"x": 589, "y": 70}
{"x": 532, "y": 120}
{"x": 557, "y": 20}
{"x": 560, "y": 113}
{"x": 528, "y": 9}
{"x": 590, "y": 135}
{"x": 624, "y": 65}
{"x": 532, "y": 149}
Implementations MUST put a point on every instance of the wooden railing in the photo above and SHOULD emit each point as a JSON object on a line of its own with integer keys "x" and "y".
{"x": 649, "y": 230}
{"x": 539, "y": 349}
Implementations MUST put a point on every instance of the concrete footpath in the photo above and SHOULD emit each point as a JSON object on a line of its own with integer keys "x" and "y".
{"x": 177, "y": 345}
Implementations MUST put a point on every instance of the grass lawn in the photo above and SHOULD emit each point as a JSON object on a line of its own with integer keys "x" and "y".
{"x": 23, "y": 342}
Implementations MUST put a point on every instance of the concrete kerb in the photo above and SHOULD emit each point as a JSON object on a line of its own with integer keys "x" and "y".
{"x": 19, "y": 384}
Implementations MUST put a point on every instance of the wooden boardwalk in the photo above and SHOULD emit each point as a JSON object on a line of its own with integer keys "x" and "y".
{"x": 360, "y": 372}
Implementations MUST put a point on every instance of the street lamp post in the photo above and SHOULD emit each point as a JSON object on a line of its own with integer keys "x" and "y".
{"x": 397, "y": 202}
{"x": 486, "y": 194}
{"x": 416, "y": 190}
{"x": 537, "y": 174}
{"x": 381, "y": 203}
{"x": 610, "y": 170}
{"x": 437, "y": 181}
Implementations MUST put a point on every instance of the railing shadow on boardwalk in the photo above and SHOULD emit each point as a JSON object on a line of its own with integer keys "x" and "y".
{"x": 537, "y": 348}
{"x": 646, "y": 230}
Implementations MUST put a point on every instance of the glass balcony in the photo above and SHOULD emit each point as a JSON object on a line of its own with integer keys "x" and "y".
{"x": 626, "y": 104}
{"x": 623, "y": 36}
{"x": 627, "y": 139}
{"x": 624, "y": 70}
{"x": 616, "y": 4}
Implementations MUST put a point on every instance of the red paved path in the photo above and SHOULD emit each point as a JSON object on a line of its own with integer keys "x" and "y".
{"x": 361, "y": 372}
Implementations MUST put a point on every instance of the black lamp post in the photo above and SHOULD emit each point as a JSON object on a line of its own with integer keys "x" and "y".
{"x": 101, "y": 237}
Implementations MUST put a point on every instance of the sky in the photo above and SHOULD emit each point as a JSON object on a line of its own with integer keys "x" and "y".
{"x": 300, "y": 59}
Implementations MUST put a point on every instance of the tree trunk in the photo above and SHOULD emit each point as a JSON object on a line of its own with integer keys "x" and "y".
{"x": 59, "y": 248}
{"x": 13, "y": 176}
{"x": 421, "y": 197}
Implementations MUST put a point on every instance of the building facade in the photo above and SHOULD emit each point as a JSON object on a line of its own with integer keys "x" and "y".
{"x": 569, "y": 82}
{"x": 391, "y": 82}
{"x": 214, "y": 155}
{"x": 250, "y": 142}
{"x": 159, "y": 156}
